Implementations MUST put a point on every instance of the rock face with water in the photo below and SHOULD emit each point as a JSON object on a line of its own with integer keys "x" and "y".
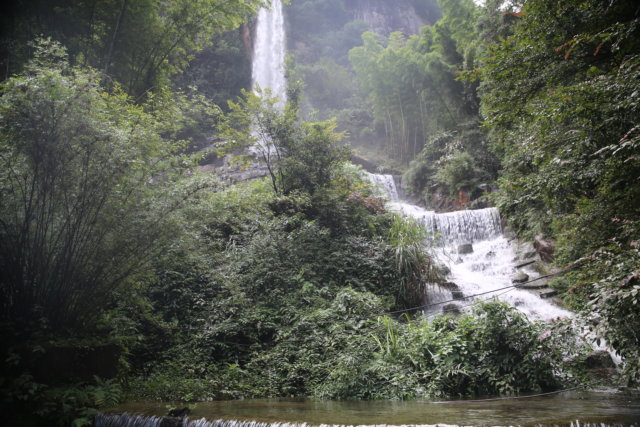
{"x": 269, "y": 51}
{"x": 488, "y": 269}
{"x": 465, "y": 248}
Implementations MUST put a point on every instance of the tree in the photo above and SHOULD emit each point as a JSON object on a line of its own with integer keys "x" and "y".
{"x": 561, "y": 98}
{"x": 412, "y": 83}
{"x": 85, "y": 198}
{"x": 300, "y": 156}
{"x": 138, "y": 43}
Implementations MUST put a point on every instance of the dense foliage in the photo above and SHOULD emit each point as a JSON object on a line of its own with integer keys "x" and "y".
{"x": 561, "y": 99}
{"x": 82, "y": 201}
{"x": 138, "y": 43}
{"x": 428, "y": 115}
{"x": 185, "y": 287}
{"x": 320, "y": 37}
{"x": 90, "y": 189}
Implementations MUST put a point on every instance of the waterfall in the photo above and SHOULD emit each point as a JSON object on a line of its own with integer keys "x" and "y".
{"x": 488, "y": 262}
{"x": 385, "y": 183}
{"x": 269, "y": 52}
{"x": 129, "y": 420}
{"x": 126, "y": 420}
{"x": 458, "y": 227}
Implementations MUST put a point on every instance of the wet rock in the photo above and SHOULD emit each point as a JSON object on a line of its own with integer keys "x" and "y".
{"x": 457, "y": 295}
{"x": 451, "y": 286}
{"x": 599, "y": 359}
{"x": 524, "y": 251}
{"x": 459, "y": 260}
{"x": 508, "y": 233}
{"x": 535, "y": 284}
{"x": 547, "y": 293}
{"x": 443, "y": 270}
{"x": 453, "y": 309}
{"x": 524, "y": 264}
{"x": 519, "y": 278}
{"x": 171, "y": 422}
{"x": 465, "y": 248}
{"x": 545, "y": 248}
{"x": 179, "y": 412}
{"x": 490, "y": 254}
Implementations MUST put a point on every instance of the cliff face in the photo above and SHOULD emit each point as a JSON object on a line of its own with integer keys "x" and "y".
{"x": 385, "y": 16}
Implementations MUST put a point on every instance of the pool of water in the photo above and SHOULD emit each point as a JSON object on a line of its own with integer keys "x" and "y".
{"x": 608, "y": 408}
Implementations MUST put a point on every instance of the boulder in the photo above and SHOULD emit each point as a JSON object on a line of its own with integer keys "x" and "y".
{"x": 457, "y": 295}
{"x": 599, "y": 359}
{"x": 453, "y": 309}
{"x": 524, "y": 251}
{"x": 524, "y": 264}
{"x": 535, "y": 284}
{"x": 547, "y": 293}
{"x": 545, "y": 248}
{"x": 180, "y": 412}
{"x": 443, "y": 270}
{"x": 450, "y": 286}
{"x": 519, "y": 278}
{"x": 465, "y": 248}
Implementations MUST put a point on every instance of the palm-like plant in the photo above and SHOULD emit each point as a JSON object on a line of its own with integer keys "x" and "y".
{"x": 414, "y": 264}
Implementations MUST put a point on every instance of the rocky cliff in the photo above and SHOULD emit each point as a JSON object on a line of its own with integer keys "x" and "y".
{"x": 385, "y": 16}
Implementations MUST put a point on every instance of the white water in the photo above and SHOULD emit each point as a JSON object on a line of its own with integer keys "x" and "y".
{"x": 488, "y": 269}
{"x": 386, "y": 184}
{"x": 133, "y": 420}
{"x": 269, "y": 52}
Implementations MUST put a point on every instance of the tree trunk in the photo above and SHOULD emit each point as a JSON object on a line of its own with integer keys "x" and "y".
{"x": 112, "y": 45}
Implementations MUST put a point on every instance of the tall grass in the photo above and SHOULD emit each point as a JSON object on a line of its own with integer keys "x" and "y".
{"x": 414, "y": 263}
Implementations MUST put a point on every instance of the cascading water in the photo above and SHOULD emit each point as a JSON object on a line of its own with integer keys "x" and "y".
{"x": 269, "y": 52}
{"x": 127, "y": 420}
{"x": 487, "y": 265}
{"x": 386, "y": 184}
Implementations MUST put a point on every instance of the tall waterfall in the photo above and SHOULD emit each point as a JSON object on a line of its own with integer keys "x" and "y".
{"x": 491, "y": 264}
{"x": 269, "y": 52}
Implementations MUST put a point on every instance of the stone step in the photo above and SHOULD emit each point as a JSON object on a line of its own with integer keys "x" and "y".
{"x": 546, "y": 293}
{"x": 539, "y": 284}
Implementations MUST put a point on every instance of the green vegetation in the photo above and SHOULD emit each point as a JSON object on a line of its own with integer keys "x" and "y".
{"x": 125, "y": 273}
{"x": 428, "y": 114}
{"x": 560, "y": 96}
{"x": 139, "y": 44}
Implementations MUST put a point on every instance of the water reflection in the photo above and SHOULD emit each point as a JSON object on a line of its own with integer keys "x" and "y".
{"x": 563, "y": 409}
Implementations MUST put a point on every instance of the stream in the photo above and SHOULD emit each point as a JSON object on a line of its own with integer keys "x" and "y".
{"x": 487, "y": 266}
{"x": 578, "y": 408}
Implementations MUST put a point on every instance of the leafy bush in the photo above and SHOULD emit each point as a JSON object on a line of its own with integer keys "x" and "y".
{"x": 83, "y": 206}
{"x": 494, "y": 350}
{"x": 453, "y": 161}
{"x": 415, "y": 266}
{"x": 74, "y": 404}
{"x": 458, "y": 172}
